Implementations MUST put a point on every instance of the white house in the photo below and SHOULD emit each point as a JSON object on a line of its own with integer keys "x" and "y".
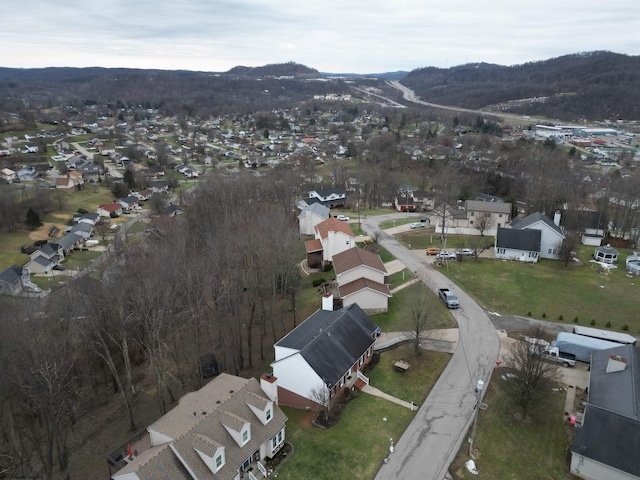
{"x": 329, "y": 197}
{"x": 323, "y": 355}
{"x": 310, "y": 216}
{"x": 475, "y": 218}
{"x": 223, "y": 431}
{"x": 520, "y": 245}
{"x": 362, "y": 279}
{"x": 551, "y": 235}
{"x": 335, "y": 236}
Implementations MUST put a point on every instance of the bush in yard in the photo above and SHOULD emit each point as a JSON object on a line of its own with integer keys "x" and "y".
{"x": 625, "y": 327}
{"x": 544, "y": 315}
{"x": 576, "y": 319}
{"x": 593, "y": 322}
{"x": 608, "y": 324}
{"x": 328, "y": 267}
{"x": 318, "y": 281}
{"x": 114, "y": 215}
{"x": 82, "y": 210}
{"x": 560, "y": 317}
{"x": 528, "y": 314}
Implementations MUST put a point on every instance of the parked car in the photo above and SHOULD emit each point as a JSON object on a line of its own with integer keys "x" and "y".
{"x": 344, "y": 218}
{"x": 446, "y": 256}
{"x": 424, "y": 219}
{"x": 433, "y": 251}
{"x": 417, "y": 225}
{"x": 114, "y": 227}
{"x": 60, "y": 268}
{"x": 465, "y": 252}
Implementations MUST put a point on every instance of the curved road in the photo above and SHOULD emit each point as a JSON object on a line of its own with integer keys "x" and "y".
{"x": 430, "y": 443}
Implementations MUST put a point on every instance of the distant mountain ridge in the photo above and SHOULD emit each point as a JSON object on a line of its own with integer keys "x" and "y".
{"x": 594, "y": 85}
{"x": 289, "y": 69}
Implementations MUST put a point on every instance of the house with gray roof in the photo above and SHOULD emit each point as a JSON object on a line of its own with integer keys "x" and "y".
{"x": 310, "y": 216}
{"x": 607, "y": 436}
{"x": 224, "y": 431}
{"x": 11, "y": 280}
{"x": 551, "y": 235}
{"x": 329, "y": 197}
{"x": 475, "y": 217}
{"x": 45, "y": 258}
{"x": 324, "y": 355}
{"x": 520, "y": 245}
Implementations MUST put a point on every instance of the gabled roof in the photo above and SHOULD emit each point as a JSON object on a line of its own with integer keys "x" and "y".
{"x": 197, "y": 422}
{"x": 533, "y": 219}
{"x": 314, "y": 245}
{"x": 81, "y": 227}
{"x": 333, "y": 225}
{"x": 110, "y": 207}
{"x": 362, "y": 284}
{"x": 355, "y": 257}
{"x": 325, "y": 192}
{"x": 332, "y": 341}
{"x": 11, "y": 274}
{"x": 582, "y": 219}
{"x": 317, "y": 208}
{"x": 492, "y": 207}
{"x": 69, "y": 240}
{"x": 525, "y": 240}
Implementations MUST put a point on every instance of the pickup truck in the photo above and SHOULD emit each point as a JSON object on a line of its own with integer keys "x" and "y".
{"x": 449, "y": 299}
{"x": 552, "y": 354}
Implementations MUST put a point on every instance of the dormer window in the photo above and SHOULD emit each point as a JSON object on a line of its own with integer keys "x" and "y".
{"x": 245, "y": 436}
{"x": 268, "y": 414}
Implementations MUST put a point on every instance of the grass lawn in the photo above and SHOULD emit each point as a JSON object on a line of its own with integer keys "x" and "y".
{"x": 513, "y": 449}
{"x": 399, "y": 278}
{"x": 10, "y": 243}
{"x": 549, "y": 290}
{"x": 355, "y": 447}
{"x": 395, "y": 319}
{"x": 397, "y": 223}
{"x": 137, "y": 227}
{"x": 79, "y": 259}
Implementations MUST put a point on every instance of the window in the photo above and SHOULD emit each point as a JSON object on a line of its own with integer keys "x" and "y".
{"x": 341, "y": 381}
{"x": 268, "y": 415}
{"x": 245, "y": 436}
{"x": 471, "y": 214}
{"x": 500, "y": 215}
{"x": 274, "y": 442}
{"x": 471, "y": 222}
{"x": 218, "y": 461}
{"x": 280, "y": 436}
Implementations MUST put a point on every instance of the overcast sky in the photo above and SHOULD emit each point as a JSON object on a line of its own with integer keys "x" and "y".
{"x": 356, "y": 36}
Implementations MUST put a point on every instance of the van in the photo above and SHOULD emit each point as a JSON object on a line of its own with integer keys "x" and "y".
{"x": 433, "y": 251}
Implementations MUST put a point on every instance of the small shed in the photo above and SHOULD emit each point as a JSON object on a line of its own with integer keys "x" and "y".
{"x": 606, "y": 254}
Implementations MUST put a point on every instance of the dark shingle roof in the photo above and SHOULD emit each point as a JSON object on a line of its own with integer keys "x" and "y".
{"x": 526, "y": 240}
{"x": 530, "y": 220}
{"x": 332, "y": 341}
{"x": 11, "y": 274}
{"x": 355, "y": 257}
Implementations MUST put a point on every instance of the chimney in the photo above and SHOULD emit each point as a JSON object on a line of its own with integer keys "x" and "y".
{"x": 616, "y": 364}
{"x": 556, "y": 218}
{"x": 269, "y": 385}
{"x": 327, "y": 302}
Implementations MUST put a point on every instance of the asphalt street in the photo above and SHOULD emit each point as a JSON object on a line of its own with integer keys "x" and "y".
{"x": 428, "y": 446}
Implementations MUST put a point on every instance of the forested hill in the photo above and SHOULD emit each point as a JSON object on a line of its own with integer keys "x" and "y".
{"x": 595, "y": 86}
{"x": 289, "y": 69}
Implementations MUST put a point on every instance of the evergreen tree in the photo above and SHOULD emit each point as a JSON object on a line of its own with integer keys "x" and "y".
{"x": 33, "y": 220}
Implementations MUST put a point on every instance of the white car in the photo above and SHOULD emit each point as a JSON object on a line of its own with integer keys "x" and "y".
{"x": 466, "y": 252}
{"x": 446, "y": 256}
{"x": 344, "y": 218}
{"x": 417, "y": 225}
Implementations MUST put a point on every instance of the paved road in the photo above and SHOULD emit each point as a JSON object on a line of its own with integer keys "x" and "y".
{"x": 428, "y": 446}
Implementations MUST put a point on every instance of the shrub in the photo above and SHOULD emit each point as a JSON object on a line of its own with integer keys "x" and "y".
{"x": 328, "y": 267}
{"x": 82, "y": 210}
{"x": 39, "y": 243}
{"x": 544, "y": 315}
{"x": 529, "y": 314}
{"x": 608, "y": 324}
{"x": 576, "y": 319}
{"x": 593, "y": 321}
{"x": 625, "y": 327}
{"x": 114, "y": 215}
{"x": 318, "y": 281}
{"x": 560, "y": 317}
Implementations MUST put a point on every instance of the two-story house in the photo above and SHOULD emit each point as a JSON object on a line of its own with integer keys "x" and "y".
{"x": 310, "y": 216}
{"x": 323, "y": 356}
{"x": 362, "y": 278}
{"x": 224, "y": 431}
{"x": 329, "y": 197}
{"x": 474, "y": 218}
{"x": 45, "y": 258}
{"x": 331, "y": 237}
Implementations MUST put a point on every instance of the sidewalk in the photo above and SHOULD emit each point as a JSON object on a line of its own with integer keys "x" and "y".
{"x": 377, "y": 393}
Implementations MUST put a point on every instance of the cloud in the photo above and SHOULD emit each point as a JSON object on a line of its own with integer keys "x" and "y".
{"x": 356, "y": 36}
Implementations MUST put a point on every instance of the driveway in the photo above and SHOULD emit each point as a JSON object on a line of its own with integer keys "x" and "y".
{"x": 428, "y": 446}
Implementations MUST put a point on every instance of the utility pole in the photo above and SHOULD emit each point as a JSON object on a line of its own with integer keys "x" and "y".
{"x": 478, "y": 390}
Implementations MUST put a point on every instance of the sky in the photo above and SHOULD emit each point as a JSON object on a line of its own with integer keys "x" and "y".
{"x": 336, "y": 36}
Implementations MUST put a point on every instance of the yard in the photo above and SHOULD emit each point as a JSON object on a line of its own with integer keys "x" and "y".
{"x": 578, "y": 294}
{"x": 356, "y": 447}
{"x": 511, "y": 448}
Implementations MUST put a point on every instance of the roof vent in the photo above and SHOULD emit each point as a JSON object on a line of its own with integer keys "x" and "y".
{"x": 217, "y": 401}
{"x": 230, "y": 391}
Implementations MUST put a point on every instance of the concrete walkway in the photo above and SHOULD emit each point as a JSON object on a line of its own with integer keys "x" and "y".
{"x": 377, "y": 393}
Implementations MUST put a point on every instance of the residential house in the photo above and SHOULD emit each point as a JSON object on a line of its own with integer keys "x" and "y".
{"x": 329, "y": 197}
{"x": 310, "y": 216}
{"x": 90, "y": 218}
{"x": 45, "y": 258}
{"x": 159, "y": 186}
{"x": 11, "y": 280}
{"x": 607, "y": 435}
{"x": 70, "y": 182}
{"x": 335, "y": 236}
{"x": 83, "y": 229}
{"x": 362, "y": 278}
{"x": 69, "y": 242}
{"x": 224, "y": 431}
{"x": 425, "y": 201}
{"x": 324, "y": 355}
{"x": 591, "y": 225}
{"x": 8, "y": 175}
{"x": 405, "y": 203}
{"x": 107, "y": 209}
{"x": 474, "y": 218}
{"x": 128, "y": 202}
{"x": 551, "y": 235}
{"x": 521, "y": 245}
